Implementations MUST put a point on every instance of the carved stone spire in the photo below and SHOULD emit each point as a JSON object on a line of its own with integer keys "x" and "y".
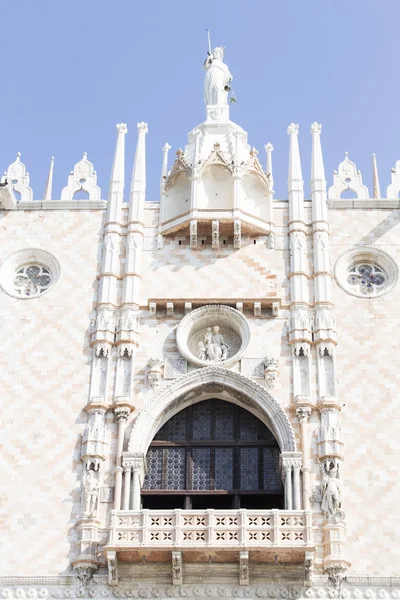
{"x": 318, "y": 181}
{"x": 138, "y": 182}
{"x": 317, "y": 163}
{"x": 375, "y": 178}
{"x": 269, "y": 149}
{"x": 295, "y": 177}
{"x": 164, "y": 169}
{"x": 117, "y": 179}
{"x": 49, "y": 182}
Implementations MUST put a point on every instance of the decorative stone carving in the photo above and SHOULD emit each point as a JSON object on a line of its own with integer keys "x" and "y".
{"x": 106, "y": 494}
{"x": 393, "y": 189}
{"x": 83, "y": 177}
{"x": 347, "y": 177}
{"x": 257, "y": 309}
{"x": 177, "y": 574}
{"x": 183, "y": 390}
{"x": 17, "y": 176}
{"x": 91, "y": 489}
{"x": 155, "y": 372}
{"x": 215, "y": 235}
{"x": 85, "y": 572}
{"x": 270, "y": 371}
{"x": 336, "y": 574}
{"x": 193, "y": 234}
{"x": 331, "y": 490}
{"x": 213, "y": 334}
{"x": 112, "y": 565}
{"x": 237, "y": 234}
{"x": 308, "y": 566}
{"x": 244, "y": 574}
{"x": 175, "y": 367}
{"x": 275, "y": 309}
{"x": 303, "y": 413}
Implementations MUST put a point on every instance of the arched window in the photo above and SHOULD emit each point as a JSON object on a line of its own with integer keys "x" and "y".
{"x": 213, "y": 454}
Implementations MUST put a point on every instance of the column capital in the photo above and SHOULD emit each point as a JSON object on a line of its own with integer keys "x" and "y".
{"x": 122, "y": 413}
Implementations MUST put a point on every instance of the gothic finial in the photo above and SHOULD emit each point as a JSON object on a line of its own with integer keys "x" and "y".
{"x": 164, "y": 168}
{"x": 375, "y": 179}
{"x": 294, "y": 154}
{"x": 317, "y": 163}
{"x": 269, "y": 149}
{"x": 49, "y": 182}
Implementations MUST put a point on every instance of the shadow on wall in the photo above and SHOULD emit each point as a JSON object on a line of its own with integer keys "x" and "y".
{"x": 383, "y": 227}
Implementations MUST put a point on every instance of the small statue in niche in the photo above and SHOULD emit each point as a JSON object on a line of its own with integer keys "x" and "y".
{"x": 91, "y": 487}
{"x": 331, "y": 489}
{"x": 215, "y": 347}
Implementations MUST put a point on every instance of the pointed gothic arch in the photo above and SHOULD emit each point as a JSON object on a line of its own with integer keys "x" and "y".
{"x": 202, "y": 384}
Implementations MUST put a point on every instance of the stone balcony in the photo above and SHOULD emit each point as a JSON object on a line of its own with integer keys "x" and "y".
{"x": 185, "y": 529}
{"x": 199, "y": 536}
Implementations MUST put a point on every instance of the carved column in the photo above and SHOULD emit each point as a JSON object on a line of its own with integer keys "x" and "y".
{"x": 303, "y": 413}
{"x": 291, "y": 464}
{"x": 122, "y": 412}
{"x": 127, "y": 467}
{"x": 136, "y": 469}
{"x": 296, "y": 484}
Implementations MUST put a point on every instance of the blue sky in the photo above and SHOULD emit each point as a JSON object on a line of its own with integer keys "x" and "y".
{"x": 72, "y": 69}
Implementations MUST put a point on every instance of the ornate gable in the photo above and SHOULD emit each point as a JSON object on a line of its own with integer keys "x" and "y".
{"x": 180, "y": 166}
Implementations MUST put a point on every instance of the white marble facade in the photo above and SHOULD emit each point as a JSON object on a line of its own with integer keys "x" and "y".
{"x": 285, "y": 307}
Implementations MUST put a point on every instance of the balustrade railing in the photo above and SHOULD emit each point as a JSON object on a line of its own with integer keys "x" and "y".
{"x": 203, "y": 528}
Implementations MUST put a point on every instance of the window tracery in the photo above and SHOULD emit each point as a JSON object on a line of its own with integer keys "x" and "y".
{"x": 32, "y": 280}
{"x": 212, "y": 448}
{"x": 368, "y": 278}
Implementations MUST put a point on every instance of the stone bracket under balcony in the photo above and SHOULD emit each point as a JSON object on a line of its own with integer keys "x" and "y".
{"x": 211, "y": 536}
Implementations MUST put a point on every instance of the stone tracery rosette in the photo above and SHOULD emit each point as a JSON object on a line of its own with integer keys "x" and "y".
{"x": 213, "y": 335}
{"x": 366, "y": 272}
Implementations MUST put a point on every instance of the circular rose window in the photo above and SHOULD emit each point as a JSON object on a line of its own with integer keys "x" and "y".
{"x": 366, "y": 272}
{"x": 29, "y": 273}
{"x": 213, "y": 335}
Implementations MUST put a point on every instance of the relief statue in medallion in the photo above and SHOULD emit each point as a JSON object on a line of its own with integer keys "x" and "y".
{"x": 214, "y": 347}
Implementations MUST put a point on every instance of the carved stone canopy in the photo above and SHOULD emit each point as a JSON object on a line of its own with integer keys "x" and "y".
{"x": 213, "y": 335}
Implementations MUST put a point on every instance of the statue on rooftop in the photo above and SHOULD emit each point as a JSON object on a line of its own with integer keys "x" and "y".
{"x": 217, "y": 80}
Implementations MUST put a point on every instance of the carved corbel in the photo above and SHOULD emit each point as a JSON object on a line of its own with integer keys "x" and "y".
{"x": 336, "y": 574}
{"x": 308, "y": 567}
{"x": 275, "y": 309}
{"x": 237, "y": 234}
{"x": 85, "y": 571}
{"x": 257, "y": 309}
{"x": 193, "y": 234}
{"x": 215, "y": 235}
{"x": 177, "y": 568}
{"x": 112, "y": 565}
{"x": 188, "y": 307}
{"x": 244, "y": 572}
{"x": 155, "y": 373}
